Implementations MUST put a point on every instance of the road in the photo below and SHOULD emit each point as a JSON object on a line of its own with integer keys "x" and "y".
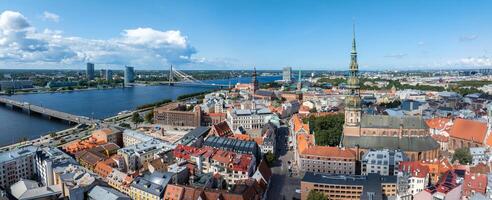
{"x": 282, "y": 185}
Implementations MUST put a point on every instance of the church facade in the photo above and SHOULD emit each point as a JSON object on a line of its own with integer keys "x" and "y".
{"x": 364, "y": 132}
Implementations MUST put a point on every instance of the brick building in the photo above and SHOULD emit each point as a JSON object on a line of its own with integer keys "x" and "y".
{"x": 176, "y": 114}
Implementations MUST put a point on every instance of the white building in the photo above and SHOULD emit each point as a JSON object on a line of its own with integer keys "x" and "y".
{"x": 17, "y": 164}
{"x": 131, "y": 137}
{"x": 248, "y": 118}
{"x": 384, "y": 162}
{"x": 417, "y": 175}
{"x": 48, "y": 158}
{"x": 140, "y": 154}
{"x": 480, "y": 155}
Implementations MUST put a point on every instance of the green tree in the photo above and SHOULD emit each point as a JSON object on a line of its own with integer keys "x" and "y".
{"x": 136, "y": 118}
{"x": 327, "y": 129}
{"x": 315, "y": 195}
{"x": 149, "y": 116}
{"x": 463, "y": 155}
{"x": 125, "y": 125}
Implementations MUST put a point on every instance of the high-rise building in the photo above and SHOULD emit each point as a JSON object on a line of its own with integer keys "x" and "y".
{"x": 90, "y": 71}
{"x": 102, "y": 74}
{"x": 287, "y": 74}
{"x": 109, "y": 75}
{"x": 129, "y": 74}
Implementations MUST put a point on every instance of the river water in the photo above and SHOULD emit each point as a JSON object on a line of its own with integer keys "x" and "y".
{"x": 100, "y": 104}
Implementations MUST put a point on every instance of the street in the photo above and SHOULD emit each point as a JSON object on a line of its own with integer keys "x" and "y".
{"x": 282, "y": 185}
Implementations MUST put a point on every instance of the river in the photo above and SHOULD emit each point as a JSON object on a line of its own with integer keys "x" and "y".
{"x": 99, "y": 104}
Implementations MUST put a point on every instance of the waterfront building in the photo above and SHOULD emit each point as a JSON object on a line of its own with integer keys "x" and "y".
{"x": 17, "y": 164}
{"x": 364, "y": 131}
{"x": 384, "y": 162}
{"x": 129, "y": 75}
{"x": 15, "y": 84}
{"x": 287, "y": 74}
{"x": 49, "y": 158}
{"x": 372, "y": 186}
{"x": 324, "y": 159}
{"x": 109, "y": 75}
{"x": 90, "y": 71}
{"x": 102, "y": 74}
{"x": 150, "y": 186}
{"x": 176, "y": 114}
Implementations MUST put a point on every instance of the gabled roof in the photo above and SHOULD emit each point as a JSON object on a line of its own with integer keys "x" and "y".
{"x": 222, "y": 129}
{"x": 470, "y": 130}
{"x": 326, "y": 151}
{"x": 437, "y": 122}
{"x": 414, "y": 168}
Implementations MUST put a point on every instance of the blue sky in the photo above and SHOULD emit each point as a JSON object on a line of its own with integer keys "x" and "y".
{"x": 221, "y": 34}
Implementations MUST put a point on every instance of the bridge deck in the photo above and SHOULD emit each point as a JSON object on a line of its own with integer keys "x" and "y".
{"x": 48, "y": 111}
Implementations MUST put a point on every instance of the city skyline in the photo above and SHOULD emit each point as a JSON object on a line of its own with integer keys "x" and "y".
{"x": 239, "y": 35}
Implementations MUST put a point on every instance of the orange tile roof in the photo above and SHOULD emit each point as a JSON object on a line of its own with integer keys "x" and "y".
{"x": 173, "y": 192}
{"x": 304, "y": 141}
{"x": 298, "y": 124}
{"x": 326, "y": 151}
{"x": 470, "y": 130}
{"x": 437, "y": 123}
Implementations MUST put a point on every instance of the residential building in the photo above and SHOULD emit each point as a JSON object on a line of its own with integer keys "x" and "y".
{"x": 120, "y": 181}
{"x": 150, "y": 186}
{"x": 480, "y": 155}
{"x": 109, "y": 135}
{"x": 109, "y": 75}
{"x": 47, "y": 159}
{"x": 287, "y": 74}
{"x": 28, "y": 190}
{"x": 234, "y": 145}
{"x": 384, "y": 162}
{"x": 418, "y": 176}
{"x": 75, "y": 181}
{"x": 372, "y": 186}
{"x": 449, "y": 187}
{"x": 15, "y": 84}
{"x": 131, "y": 137}
{"x": 106, "y": 193}
{"x": 17, "y": 164}
{"x": 90, "y": 71}
{"x": 474, "y": 183}
{"x": 90, "y": 157}
{"x": 140, "y": 154}
{"x": 326, "y": 159}
{"x": 129, "y": 75}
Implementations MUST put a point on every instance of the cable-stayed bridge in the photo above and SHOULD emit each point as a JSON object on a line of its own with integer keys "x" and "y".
{"x": 179, "y": 78}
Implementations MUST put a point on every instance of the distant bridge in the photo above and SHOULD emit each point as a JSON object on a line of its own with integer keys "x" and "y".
{"x": 179, "y": 78}
{"x": 50, "y": 113}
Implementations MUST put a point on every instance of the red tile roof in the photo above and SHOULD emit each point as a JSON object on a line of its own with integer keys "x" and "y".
{"x": 474, "y": 183}
{"x": 333, "y": 152}
{"x": 470, "y": 130}
{"x": 414, "y": 168}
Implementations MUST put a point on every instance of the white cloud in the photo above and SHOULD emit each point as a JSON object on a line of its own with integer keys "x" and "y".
{"x": 480, "y": 61}
{"x": 51, "y": 16}
{"x": 468, "y": 38}
{"x": 421, "y": 43}
{"x": 21, "y": 45}
{"x": 396, "y": 55}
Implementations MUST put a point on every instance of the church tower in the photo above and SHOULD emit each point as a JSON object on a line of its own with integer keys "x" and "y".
{"x": 254, "y": 82}
{"x": 353, "y": 107}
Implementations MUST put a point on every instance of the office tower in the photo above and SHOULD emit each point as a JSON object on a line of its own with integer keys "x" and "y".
{"x": 90, "y": 71}
{"x": 109, "y": 75}
{"x": 129, "y": 74}
{"x": 287, "y": 74}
